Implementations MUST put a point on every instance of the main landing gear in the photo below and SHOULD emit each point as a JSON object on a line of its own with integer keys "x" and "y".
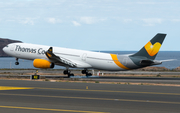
{"x": 68, "y": 72}
{"x": 85, "y": 71}
{"x": 16, "y": 63}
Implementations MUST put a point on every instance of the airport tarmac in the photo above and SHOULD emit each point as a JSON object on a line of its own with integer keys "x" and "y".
{"x": 123, "y": 77}
{"x": 50, "y": 97}
{"x": 78, "y": 72}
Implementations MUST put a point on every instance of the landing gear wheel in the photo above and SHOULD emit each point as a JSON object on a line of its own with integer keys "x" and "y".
{"x": 16, "y": 63}
{"x": 67, "y": 72}
{"x": 88, "y": 74}
{"x": 85, "y": 71}
{"x": 70, "y": 74}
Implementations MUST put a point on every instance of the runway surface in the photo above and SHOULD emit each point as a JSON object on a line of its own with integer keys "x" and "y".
{"x": 163, "y": 80}
{"x": 169, "y": 78}
{"x": 50, "y": 97}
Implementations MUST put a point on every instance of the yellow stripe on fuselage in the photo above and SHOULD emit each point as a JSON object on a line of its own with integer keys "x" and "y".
{"x": 115, "y": 59}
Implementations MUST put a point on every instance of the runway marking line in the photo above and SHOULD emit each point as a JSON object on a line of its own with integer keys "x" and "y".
{"x": 48, "y": 109}
{"x": 91, "y": 98}
{"x": 159, "y": 93}
{"x": 13, "y": 88}
{"x": 18, "y": 88}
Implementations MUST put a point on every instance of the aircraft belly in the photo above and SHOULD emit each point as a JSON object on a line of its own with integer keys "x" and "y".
{"x": 104, "y": 65}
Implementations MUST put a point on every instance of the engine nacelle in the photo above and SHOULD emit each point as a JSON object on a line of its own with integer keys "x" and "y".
{"x": 42, "y": 63}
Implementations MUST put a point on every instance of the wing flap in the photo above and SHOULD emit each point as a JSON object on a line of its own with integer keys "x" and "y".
{"x": 59, "y": 60}
{"x": 64, "y": 61}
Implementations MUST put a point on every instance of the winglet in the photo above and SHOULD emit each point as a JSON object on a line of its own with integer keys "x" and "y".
{"x": 50, "y": 49}
{"x": 49, "y": 52}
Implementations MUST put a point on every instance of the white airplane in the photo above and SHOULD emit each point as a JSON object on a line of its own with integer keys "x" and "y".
{"x": 48, "y": 57}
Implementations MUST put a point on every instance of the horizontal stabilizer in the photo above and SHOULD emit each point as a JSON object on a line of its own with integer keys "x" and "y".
{"x": 150, "y": 62}
{"x": 168, "y": 60}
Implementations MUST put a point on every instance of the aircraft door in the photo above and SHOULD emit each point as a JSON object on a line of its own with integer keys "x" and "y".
{"x": 125, "y": 61}
{"x": 12, "y": 47}
{"x": 84, "y": 56}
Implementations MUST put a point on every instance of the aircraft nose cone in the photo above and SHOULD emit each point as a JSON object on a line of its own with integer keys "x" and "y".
{"x": 5, "y": 49}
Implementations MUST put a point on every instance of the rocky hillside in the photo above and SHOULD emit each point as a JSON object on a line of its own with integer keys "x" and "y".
{"x": 4, "y": 42}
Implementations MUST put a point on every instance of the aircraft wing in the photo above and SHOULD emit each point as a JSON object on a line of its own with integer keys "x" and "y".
{"x": 64, "y": 61}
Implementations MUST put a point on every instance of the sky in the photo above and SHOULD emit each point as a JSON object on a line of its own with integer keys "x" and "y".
{"x": 99, "y": 25}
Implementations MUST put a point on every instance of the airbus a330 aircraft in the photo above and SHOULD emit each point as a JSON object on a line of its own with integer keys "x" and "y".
{"x": 48, "y": 57}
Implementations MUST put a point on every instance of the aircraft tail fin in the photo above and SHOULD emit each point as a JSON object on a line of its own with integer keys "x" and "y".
{"x": 151, "y": 49}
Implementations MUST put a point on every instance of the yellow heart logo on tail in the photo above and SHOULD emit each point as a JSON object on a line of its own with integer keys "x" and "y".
{"x": 152, "y": 49}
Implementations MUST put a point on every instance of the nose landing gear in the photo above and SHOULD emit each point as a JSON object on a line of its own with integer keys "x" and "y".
{"x": 16, "y": 63}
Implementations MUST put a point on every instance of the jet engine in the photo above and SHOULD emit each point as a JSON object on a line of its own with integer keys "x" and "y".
{"x": 42, "y": 63}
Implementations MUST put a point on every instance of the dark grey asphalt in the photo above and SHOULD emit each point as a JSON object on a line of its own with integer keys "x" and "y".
{"x": 135, "y": 79}
{"x": 65, "y": 96}
{"x": 163, "y": 80}
{"x": 76, "y": 72}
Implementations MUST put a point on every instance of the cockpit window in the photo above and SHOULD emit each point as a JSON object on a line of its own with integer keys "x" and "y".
{"x": 7, "y": 46}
